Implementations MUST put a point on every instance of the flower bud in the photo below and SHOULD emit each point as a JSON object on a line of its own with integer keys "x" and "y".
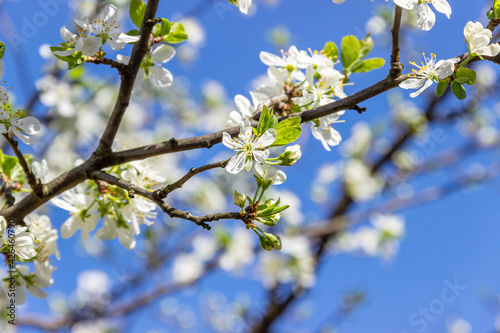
{"x": 270, "y": 220}
{"x": 239, "y": 199}
{"x": 275, "y": 241}
{"x": 290, "y": 155}
{"x": 265, "y": 243}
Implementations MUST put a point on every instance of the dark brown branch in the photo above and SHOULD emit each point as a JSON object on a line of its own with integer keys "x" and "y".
{"x": 140, "y": 49}
{"x": 164, "y": 192}
{"x": 396, "y": 66}
{"x": 208, "y": 140}
{"x": 33, "y": 181}
{"x": 171, "y": 211}
{"x": 493, "y": 24}
{"x": 122, "y": 68}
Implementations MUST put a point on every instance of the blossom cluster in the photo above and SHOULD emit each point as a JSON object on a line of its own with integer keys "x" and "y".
{"x": 426, "y": 17}
{"x": 35, "y": 242}
{"x": 12, "y": 120}
{"x": 105, "y": 29}
{"x": 311, "y": 80}
{"x": 122, "y": 213}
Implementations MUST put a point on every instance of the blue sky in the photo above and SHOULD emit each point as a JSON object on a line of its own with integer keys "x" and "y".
{"x": 454, "y": 239}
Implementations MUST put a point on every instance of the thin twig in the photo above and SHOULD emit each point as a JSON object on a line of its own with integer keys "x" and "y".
{"x": 171, "y": 211}
{"x": 164, "y": 192}
{"x": 33, "y": 181}
{"x": 106, "y": 61}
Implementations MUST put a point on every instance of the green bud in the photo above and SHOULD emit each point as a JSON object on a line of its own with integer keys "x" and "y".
{"x": 265, "y": 243}
{"x": 275, "y": 241}
{"x": 239, "y": 199}
{"x": 290, "y": 155}
{"x": 270, "y": 220}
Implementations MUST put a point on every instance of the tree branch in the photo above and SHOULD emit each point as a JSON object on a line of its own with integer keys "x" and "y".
{"x": 396, "y": 66}
{"x": 139, "y": 50}
{"x": 122, "y": 68}
{"x": 33, "y": 181}
{"x": 165, "y": 207}
{"x": 164, "y": 192}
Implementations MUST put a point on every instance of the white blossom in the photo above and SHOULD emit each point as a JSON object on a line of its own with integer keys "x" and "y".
{"x": 426, "y": 17}
{"x": 82, "y": 210}
{"x": 428, "y": 72}
{"x": 21, "y": 127}
{"x": 478, "y": 39}
{"x": 160, "y": 75}
{"x": 248, "y": 150}
{"x": 106, "y": 27}
{"x": 4, "y": 96}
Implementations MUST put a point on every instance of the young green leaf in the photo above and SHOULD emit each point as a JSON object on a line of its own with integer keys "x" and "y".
{"x": 458, "y": 90}
{"x": 349, "y": 50}
{"x": 137, "y": 10}
{"x": 287, "y": 135}
{"x": 165, "y": 27}
{"x": 368, "y": 65}
{"x": 177, "y": 34}
{"x": 289, "y": 122}
{"x": 366, "y": 46}
{"x": 2, "y": 49}
{"x": 264, "y": 119}
{"x": 8, "y": 164}
{"x": 331, "y": 50}
{"x": 466, "y": 75}
{"x": 441, "y": 87}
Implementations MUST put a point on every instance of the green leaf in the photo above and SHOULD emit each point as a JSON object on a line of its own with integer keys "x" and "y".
{"x": 74, "y": 64}
{"x": 2, "y": 49}
{"x": 264, "y": 119}
{"x": 441, "y": 87}
{"x": 156, "y": 30}
{"x": 288, "y": 122}
{"x": 349, "y": 50}
{"x": 165, "y": 27}
{"x": 273, "y": 122}
{"x": 458, "y": 90}
{"x": 368, "y": 65}
{"x": 287, "y": 135}
{"x": 133, "y": 32}
{"x": 176, "y": 35}
{"x": 466, "y": 75}
{"x": 8, "y": 164}
{"x": 18, "y": 172}
{"x": 72, "y": 57}
{"x": 137, "y": 11}
{"x": 331, "y": 50}
{"x": 366, "y": 46}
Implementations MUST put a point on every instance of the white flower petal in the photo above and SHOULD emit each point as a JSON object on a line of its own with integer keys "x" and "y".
{"x": 161, "y": 76}
{"x": 267, "y": 139}
{"x": 162, "y": 53}
{"x": 236, "y": 163}
{"x": 270, "y": 59}
{"x": 91, "y": 45}
{"x": 425, "y": 86}
{"x": 229, "y": 142}
{"x": 426, "y": 17}
{"x": 260, "y": 156}
{"x": 442, "y": 6}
